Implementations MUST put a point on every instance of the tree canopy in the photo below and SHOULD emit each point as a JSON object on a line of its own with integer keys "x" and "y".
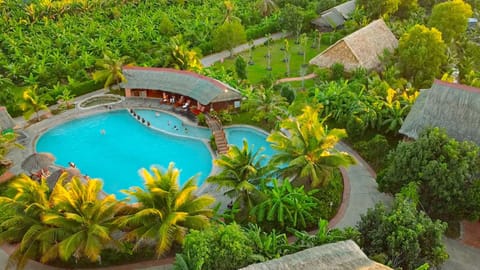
{"x": 421, "y": 54}
{"x": 379, "y": 8}
{"x": 451, "y": 18}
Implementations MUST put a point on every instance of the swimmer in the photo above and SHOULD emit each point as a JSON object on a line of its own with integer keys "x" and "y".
{"x": 157, "y": 114}
{"x": 103, "y": 132}
{"x": 175, "y": 127}
{"x": 143, "y": 121}
{"x": 168, "y": 123}
{"x": 71, "y": 164}
{"x": 148, "y": 123}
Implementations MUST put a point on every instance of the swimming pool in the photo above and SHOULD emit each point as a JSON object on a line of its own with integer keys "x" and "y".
{"x": 124, "y": 148}
{"x": 114, "y": 145}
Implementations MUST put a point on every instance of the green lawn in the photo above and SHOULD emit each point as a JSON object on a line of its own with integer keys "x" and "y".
{"x": 258, "y": 71}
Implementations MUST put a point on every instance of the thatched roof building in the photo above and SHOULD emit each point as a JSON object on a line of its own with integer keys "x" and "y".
{"x": 345, "y": 255}
{"x": 454, "y": 107}
{"x": 359, "y": 49}
{"x": 158, "y": 82}
{"x": 6, "y": 120}
{"x": 335, "y": 16}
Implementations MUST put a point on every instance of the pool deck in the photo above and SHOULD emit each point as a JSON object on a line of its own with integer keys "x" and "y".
{"x": 33, "y": 131}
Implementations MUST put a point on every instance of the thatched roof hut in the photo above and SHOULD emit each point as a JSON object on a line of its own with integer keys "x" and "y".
{"x": 345, "y": 255}
{"x": 6, "y": 120}
{"x": 153, "y": 81}
{"x": 361, "y": 48}
{"x": 454, "y": 107}
{"x": 335, "y": 16}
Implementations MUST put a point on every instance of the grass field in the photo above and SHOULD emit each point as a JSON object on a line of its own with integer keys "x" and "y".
{"x": 258, "y": 71}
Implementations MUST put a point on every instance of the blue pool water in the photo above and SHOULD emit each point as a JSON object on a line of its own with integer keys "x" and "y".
{"x": 256, "y": 139}
{"x": 126, "y": 146}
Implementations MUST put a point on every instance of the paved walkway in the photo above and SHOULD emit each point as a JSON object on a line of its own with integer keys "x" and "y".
{"x": 216, "y": 57}
{"x": 294, "y": 79}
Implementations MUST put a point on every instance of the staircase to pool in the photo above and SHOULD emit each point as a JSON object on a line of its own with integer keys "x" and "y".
{"x": 218, "y": 133}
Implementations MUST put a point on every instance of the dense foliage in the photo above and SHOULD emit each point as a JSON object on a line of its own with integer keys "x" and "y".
{"x": 402, "y": 237}
{"x": 451, "y": 19}
{"x": 447, "y": 172}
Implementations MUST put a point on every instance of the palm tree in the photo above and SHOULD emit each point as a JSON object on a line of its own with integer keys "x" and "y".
{"x": 307, "y": 153}
{"x": 21, "y": 215}
{"x": 33, "y": 103}
{"x": 166, "y": 211}
{"x": 81, "y": 222}
{"x": 266, "y": 7}
{"x": 286, "y": 206}
{"x": 242, "y": 171}
{"x": 267, "y": 104}
{"x": 110, "y": 69}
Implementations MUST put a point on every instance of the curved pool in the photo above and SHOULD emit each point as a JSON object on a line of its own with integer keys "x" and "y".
{"x": 113, "y": 146}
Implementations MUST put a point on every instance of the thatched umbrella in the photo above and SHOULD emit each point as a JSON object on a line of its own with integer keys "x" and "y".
{"x": 52, "y": 179}
{"x": 37, "y": 161}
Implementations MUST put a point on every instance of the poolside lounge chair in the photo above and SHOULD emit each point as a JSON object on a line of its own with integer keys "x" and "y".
{"x": 185, "y": 106}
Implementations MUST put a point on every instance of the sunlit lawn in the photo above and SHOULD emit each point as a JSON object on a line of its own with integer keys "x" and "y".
{"x": 258, "y": 71}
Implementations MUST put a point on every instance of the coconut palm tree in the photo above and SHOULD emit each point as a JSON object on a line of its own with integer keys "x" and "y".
{"x": 267, "y": 104}
{"x": 81, "y": 222}
{"x": 20, "y": 222}
{"x": 110, "y": 69}
{"x": 166, "y": 211}
{"x": 307, "y": 154}
{"x": 33, "y": 103}
{"x": 266, "y": 7}
{"x": 242, "y": 172}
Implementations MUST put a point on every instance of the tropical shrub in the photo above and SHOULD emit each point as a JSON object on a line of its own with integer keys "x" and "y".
{"x": 220, "y": 247}
{"x": 403, "y": 236}
{"x": 375, "y": 150}
{"x": 447, "y": 172}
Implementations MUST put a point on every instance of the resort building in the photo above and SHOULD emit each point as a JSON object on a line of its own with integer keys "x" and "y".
{"x": 361, "y": 48}
{"x": 454, "y": 107}
{"x": 187, "y": 89}
{"x": 336, "y": 16}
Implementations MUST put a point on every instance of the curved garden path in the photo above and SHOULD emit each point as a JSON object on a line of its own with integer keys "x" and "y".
{"x": 294, "y": 79}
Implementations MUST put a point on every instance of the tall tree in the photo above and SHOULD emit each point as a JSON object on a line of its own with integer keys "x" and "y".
{"x": 408, "y": 238}
{"x": 178, "y": 55}
{"x": 445, "y": 169}
{"x": 110, "y": 69}
{"x": 166, "y": 210}
{"x": 421, "y": 54}
{"x": 33, "y": 103}
{"x": 267, "y": 104}
{"x": 229, "y": 35}
{"x": 379, "y": 8}
{"x": 307, "y": 153}
{"x": 451, "y": 18}
{"x": 266, "y": 7}
{"x": 242, "y": 171}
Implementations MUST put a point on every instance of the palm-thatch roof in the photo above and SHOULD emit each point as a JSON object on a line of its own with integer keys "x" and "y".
{"x": 345, "y": 255}
{"x": 6, "y": 120}
{"x": 204, "y": 89}
{"x": 335, "y": 16}
{"x": 454, "y": 107}
{"x": 361, "y": 48}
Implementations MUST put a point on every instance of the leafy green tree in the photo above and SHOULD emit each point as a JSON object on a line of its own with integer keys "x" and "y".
{"x": 292, "y": 19}
{"x": 221, "y": 247}
{"x": 421, "y": 54}
{"x": 447, "y": 172}
{"x": 379, "y": 8}
{"x": 307, "y": 153}
{"x": 33, "y": 103}
{"x": 242, "y": 171}
{"x": 406, "y": 237}
{"x": 166, "y": 211}
{"x": 451, "y": 18}
{"x": 110, "y": 70}
{"x": 406, "y": 7}
{"x": 229, "y": 35}
{"x": 177, "y": 55}
{"x": 286, "y": 206}
{"x": 241, "y": 68}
